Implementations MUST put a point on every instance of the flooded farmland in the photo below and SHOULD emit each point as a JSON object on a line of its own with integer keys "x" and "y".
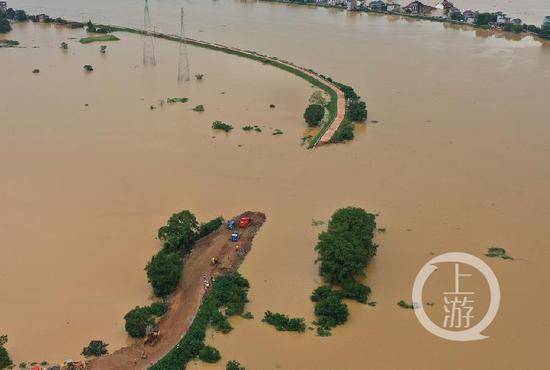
{"x": 457, "y": 161}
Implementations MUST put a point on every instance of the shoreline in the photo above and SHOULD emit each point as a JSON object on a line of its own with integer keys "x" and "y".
{"x": 473, "y": 26}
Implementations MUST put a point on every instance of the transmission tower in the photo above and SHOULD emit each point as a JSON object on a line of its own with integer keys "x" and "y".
{"x": 148, "y": 47}
{"x": 183, "y": 63}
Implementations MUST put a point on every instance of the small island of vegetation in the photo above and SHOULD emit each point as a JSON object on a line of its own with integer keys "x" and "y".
{"x": 344, "y": 251}
{"x": 284, "y": 323}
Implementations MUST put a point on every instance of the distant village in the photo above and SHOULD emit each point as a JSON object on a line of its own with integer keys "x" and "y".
{"x": 443, "y": 11}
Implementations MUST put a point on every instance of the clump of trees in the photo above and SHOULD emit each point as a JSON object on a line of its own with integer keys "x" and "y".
{"x": 90, "y": 27}
{"x": 284, "y": 323}
{"x": 95, "y": 348}
{"x": 16, "y": 15}
{"x": 180, "y": 232}
{"x": 139, "y": 318}
{"x": 219, "y": 125}
{"x": 234, "y": 365}
{"x": 5, "y": 26}
{"x": 313, "y": 114}
{"x": 5, "y": 360}
{"x": 209, "y": 354}
{"x": 164, "y": 272}
{"x": 88, "y": 68}
{"x": 344, "y": 251}
{"x": 199, "y": 108}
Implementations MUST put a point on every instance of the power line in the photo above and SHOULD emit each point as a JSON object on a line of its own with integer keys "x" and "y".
{"x": 148, "y": 46}
{"x": 183, "y": 62}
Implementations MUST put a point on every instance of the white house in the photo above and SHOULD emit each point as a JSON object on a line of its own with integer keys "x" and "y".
{"x": 393, "y": 7}
{"x": 502, "y": 18}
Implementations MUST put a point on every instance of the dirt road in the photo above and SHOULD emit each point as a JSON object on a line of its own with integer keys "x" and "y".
{"x": 185, "y": 302}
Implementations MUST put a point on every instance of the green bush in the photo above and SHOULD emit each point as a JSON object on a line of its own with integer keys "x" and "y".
{"x": 95, "y": 348}
{"x": 233, "y": 365}
{"x": 283, "y": 323}
{"x": 209, "y": 227}
{"x": 357, "y": 110}
{"x": 347, "y": 246}
{"x": 199, "y": 108}
{"x": 314, "y": 114}
{"x": 343, "y": 133}
{"x": 158, "y": 308}
{"x": 353, "y": 290}
{"x": 220, "y": 323}
{"x": 180, "y": 232}
{"x": 136, "y": 321}
{"x": 331, "y": 311}
{"x": 5, "y": 26}
{"x": 320, "y": 293}
{"x": 209, "y": 354}
{"x": 219, "y": 125}
{"x": 176, "y": 100}
{"x": 232, "y": 293}
{"x": 5, "y": 360}
{"x": 164, "y": 272}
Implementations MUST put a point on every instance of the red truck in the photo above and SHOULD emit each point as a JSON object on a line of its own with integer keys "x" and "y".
{"x": 244, "y": 222}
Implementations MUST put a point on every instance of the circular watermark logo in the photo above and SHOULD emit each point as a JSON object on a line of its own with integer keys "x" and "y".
{"x": 457, "y": 303}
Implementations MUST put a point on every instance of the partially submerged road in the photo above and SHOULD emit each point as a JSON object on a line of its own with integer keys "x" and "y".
{"x": 185, "y": 302}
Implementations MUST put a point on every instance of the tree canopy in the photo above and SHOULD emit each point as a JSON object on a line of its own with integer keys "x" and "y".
{"x": 314, "y": 114}
{"x": 164, "y": 272}
{"x": 179, "y": 233}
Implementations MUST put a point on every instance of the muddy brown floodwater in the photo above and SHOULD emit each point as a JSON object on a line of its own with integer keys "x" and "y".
{"x": 457, "y": 162}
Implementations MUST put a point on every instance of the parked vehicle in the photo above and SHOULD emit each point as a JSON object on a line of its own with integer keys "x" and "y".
{"x": 230, "y": 224}
{"x": 235, "y": 237}
{"x": 244, "y": 222}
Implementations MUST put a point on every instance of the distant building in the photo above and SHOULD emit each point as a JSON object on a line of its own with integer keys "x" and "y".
{"x": 502, "y": 18}
{"x": 393, "y": 7}
{"x": 3, "y": 6}
{"x": 416, "y": 7}
{"x": 546, "y": 21}
{"x": 352, "y": 4}
{"x": 517, "y": 21}
{"x": 378, "y": 5}
{"x": 469, "y": 16}
{"x": 445, "y": 4}
{"x": 454, "y": 13}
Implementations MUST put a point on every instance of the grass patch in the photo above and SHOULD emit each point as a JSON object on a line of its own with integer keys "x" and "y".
{"x": 103, "y": 38}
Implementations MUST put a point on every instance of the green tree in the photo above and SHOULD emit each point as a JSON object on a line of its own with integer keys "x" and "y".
{"x": 234, "y": 365}
{"x": 314, "y": 114}
{"x": 95, "y": 348}
{"x": 5, "y": 26}
{"x": 164, "y": 272}
{"x": 357, "y": 110}
{"x": 180, "y": 231}
{"x": 5, "y": 360}
{"x": 136, "y": 321}
{"x": 483, "y": 19}
{"x": 331, "y": 312}
{"x": 209, "y": 354}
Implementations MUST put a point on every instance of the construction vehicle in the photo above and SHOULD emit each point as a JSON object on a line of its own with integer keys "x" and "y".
{"x": 244, "y": 222}
{"x": 230, "y": 224}
{"x": 235, "y": 237}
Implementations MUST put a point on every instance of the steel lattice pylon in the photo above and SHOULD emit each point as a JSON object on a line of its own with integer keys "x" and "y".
{"x": 148, "y": 46}
{"x": 183, "y": 62}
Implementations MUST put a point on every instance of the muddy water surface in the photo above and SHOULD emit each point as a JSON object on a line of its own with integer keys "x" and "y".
{"x": 457, "y": 162}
